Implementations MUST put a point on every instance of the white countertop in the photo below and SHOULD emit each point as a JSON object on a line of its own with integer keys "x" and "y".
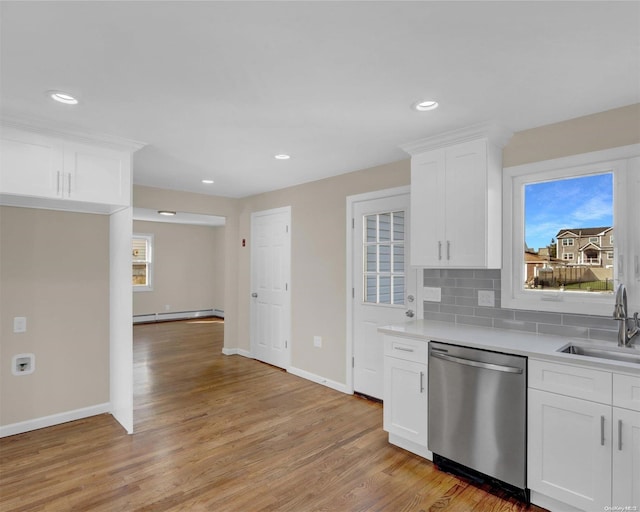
{"x": 538, "y": 346}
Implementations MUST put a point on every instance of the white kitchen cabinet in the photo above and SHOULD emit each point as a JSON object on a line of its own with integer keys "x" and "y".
{"x": 626, "y": 457}
{"x": 30, "y": 164}
{"x": 44, "y": 171}
{"x": 456, "y": 200}
{"x": 405, "y": 393}
{"x": 584, "y": 435}
{"x": 569, "y": 449}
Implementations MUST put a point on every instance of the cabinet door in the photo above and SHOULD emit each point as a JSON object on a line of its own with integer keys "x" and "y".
{"x": 405, "y": 399}
{"x": 427, "y": 212}
{"x": 96, "y": 175}
{"x": 465, "y": 203}
{"x": 30, "y": 164}
{"x": 626, "y": 458}
{"x": 569, "y": 449}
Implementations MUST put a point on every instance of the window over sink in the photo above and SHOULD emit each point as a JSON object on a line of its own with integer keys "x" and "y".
{"x": 569, "y": 232}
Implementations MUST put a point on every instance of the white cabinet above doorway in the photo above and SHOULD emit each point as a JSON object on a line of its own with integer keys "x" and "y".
{"x": 43, "y": 170}
{"x": 456, "y": 198}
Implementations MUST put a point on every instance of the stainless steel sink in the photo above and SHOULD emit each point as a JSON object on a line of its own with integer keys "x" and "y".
{"x": 628, "y": 355}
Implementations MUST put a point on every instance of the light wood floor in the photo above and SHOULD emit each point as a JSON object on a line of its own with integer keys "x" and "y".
{"x": 225, "y": 433}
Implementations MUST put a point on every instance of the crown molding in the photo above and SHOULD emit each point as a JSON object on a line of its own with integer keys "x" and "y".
{"x": 51, "y": 129}
{"x": 496, "y": 134}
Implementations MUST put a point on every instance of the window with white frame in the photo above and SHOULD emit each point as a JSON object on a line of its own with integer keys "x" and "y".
{"x": 142, "y": 262}
{"x": 594, "y": 239}
{"x": 383, "y": 253}
{"x": 553, "y": 183}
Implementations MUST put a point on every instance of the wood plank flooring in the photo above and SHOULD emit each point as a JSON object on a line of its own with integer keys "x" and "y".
{"x": 226, "y": 433}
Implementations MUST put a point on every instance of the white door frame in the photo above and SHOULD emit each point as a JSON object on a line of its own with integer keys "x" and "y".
{"x": 351, "y": 202}
{"x": 287, "y": 302}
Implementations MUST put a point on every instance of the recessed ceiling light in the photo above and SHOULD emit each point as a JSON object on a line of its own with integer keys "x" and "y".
{"x": 207, "y": 182}
{"x": 425, "y": 105}
{"x": 62, "y": 97}
{"x": 168, "y": 213}
{"x": 282, "y": 156}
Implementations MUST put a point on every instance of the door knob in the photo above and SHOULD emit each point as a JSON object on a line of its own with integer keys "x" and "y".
{"x": 409, "y": 313}
{"x": 254, "y": 295}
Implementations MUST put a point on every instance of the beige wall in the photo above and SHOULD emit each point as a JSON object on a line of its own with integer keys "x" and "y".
{"x": 54, "y": 269}
{"x": 64, "y": 291}
{"x": 318, "y": 231}
{"x": 188, "y": 268}
{"x": 318, "y": 258}
{"x": 161, "y": 199}
{"x": 610, "y": 129}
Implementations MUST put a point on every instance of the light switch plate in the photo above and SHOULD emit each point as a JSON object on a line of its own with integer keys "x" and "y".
{"x": 486, "y": 298}
{"x": 20, "y": 324}
{"x": 432, "y": 294}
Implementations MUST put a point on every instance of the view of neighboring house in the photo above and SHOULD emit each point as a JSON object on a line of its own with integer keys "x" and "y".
{"x": 582, "y": 258}
{"x": 586, "y": 246}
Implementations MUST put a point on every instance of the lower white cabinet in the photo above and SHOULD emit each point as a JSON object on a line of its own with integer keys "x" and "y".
{"x": 569, "y": 453}
{"x": 584, "y": 453}
{"x": 405, "y": 393}
{"x": 626, "y": 457}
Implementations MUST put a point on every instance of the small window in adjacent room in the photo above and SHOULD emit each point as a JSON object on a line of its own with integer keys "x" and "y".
{"x": 142, "y": 259}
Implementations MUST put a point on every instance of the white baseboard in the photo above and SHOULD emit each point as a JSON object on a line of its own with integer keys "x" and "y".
{"x": 54, "y": 419}
{"x": 236, "y": 351}
{"x": 338, "y": 386}
{"x": 178, "y": 315}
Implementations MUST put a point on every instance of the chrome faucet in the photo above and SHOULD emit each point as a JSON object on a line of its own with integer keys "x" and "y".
{"x": 625, "y": 334}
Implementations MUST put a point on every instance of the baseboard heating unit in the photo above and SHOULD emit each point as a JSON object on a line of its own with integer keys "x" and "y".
{"x": 177, "y": 315}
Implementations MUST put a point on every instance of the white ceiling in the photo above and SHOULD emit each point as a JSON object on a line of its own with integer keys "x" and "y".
{"x": 217, "y": 88}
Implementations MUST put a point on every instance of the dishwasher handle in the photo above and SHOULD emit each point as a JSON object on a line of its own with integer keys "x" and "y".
{"x": 477, "y": 364}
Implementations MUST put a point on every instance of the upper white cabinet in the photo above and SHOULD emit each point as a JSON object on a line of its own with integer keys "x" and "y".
{"x": 40, "y": 170}
{"x": 456, "y": 197}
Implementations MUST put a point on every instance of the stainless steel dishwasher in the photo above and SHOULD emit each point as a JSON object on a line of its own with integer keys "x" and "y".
{"x": 478, "y": 412}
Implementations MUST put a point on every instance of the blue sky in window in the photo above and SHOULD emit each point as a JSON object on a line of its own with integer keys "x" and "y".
{"x": 584, "y": 202}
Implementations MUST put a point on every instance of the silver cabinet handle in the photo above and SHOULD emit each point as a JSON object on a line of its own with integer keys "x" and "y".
{"x": 477, "y": 364}
{"x": 448, "y": 250}
{"x": 254, "y": 295}
{"x": 58, "y": 184}
{"x": 619, "y": 435}
{"x": 409, "y": 313}
{"x": 421, "y": 382}
{"x": 602, "y": 430}
{"x": 403, "y": 349}
{"x": 439, "y": 250}
{"x": 69, "y": 180}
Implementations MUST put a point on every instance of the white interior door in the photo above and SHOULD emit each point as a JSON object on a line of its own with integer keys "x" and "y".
{"x": 270, "y": 291}
{"x": 384, "y": 286}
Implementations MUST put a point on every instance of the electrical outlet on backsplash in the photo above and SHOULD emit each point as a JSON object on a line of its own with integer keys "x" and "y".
{"x": 459, "y": 304}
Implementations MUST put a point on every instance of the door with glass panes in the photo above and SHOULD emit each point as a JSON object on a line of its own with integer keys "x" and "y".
{"x": 384, "y": 285}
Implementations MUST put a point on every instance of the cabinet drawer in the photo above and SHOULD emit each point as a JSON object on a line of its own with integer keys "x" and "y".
{"x": 406, "y": 348}
{"x": 626, "y": 391}
{"x": 585, "y": 383}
